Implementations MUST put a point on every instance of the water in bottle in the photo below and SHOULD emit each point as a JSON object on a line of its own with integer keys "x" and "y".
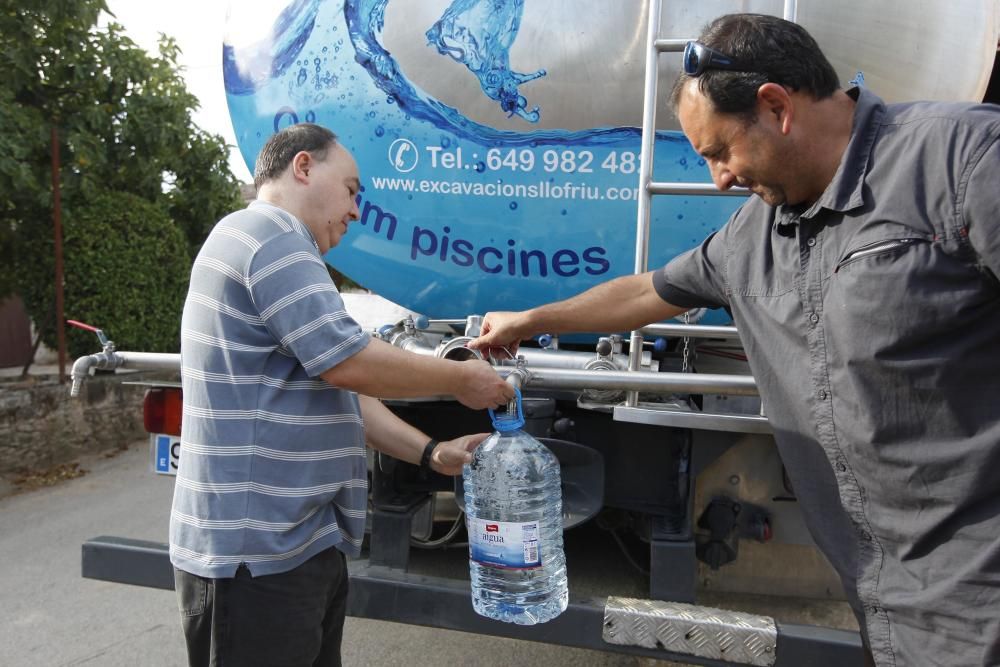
{"x": 513, "y": 505}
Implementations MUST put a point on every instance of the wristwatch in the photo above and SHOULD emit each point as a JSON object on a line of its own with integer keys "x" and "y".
{"x": 425, "y": 460}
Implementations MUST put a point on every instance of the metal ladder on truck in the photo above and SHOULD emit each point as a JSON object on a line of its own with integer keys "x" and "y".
{"x": 701, "y": 632}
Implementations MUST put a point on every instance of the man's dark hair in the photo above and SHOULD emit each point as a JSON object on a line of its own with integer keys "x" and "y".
{"x": 279, "y": 150}
{"x": 772, "y": 49}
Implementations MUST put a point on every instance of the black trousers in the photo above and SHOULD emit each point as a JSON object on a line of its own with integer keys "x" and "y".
{"x": 291, "y": 619}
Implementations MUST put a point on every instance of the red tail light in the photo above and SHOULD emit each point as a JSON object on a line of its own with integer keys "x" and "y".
{"x": 161, "y": 410}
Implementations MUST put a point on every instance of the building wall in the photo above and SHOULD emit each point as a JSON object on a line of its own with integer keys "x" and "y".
{"x": 41, "y": 426}
{"x": 15, "y": 333}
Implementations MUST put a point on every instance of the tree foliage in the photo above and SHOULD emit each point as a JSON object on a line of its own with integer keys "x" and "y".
{"x": 143, "y": 287}
{"x": 124, "y": 125}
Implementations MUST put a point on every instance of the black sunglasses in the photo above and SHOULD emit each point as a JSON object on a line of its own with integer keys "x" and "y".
{"x": 698, "y": 58}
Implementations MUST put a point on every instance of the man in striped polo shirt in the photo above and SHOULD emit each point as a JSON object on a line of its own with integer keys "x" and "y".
{"x": 280, "y": 388}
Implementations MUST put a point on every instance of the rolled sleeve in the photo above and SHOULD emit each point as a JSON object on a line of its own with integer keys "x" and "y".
{"x": 300, "y": 305}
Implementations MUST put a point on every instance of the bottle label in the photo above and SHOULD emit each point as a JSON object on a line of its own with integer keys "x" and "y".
{"x": 504, "y": 544}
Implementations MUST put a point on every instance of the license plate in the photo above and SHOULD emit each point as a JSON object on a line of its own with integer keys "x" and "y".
{"x": 166, "y": 453}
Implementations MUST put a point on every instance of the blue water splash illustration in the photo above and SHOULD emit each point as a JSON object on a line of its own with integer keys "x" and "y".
{"x": 272, "y": 56}
{"x": 365, "y": 20}
{"x": 479, "y": 34}
{"x": 269, "y": 60}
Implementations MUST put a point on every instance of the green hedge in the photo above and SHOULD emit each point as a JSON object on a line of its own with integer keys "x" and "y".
{"x": 126, "y": 272}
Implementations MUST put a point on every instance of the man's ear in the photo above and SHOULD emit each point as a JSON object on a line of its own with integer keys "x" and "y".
{"x": 301, "y": 164}
{"x": 774, "y": 101}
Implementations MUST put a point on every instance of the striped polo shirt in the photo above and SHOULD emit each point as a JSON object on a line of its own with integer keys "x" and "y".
{"x": 272, "y": 467}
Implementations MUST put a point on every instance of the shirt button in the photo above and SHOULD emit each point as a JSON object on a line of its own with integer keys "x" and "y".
{"x": 811, "y": 242}
{"x": 841, "y": 467}
{"x": 822, "y": 395}
{"x": 866, "y": 537}
{"x": 814, "y": 318}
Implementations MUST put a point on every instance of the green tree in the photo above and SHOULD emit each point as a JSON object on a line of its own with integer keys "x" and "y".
{"x": 124, "y": 122}
{"x": 139, "y": 288}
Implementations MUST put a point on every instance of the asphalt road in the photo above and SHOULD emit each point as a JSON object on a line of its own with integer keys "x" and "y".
{"x": 50, "y": 615}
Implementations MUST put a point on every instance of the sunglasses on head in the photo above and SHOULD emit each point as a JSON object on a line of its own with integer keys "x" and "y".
{"x": 699, "y": 58}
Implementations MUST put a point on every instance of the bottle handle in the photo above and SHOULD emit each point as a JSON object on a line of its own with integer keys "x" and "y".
{"x": 509, "y": 421}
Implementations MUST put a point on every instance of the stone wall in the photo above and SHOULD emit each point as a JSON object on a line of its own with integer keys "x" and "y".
{"x": 41, "y": 426}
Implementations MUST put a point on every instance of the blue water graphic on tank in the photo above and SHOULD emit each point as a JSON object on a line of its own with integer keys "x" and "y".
{"x": 478, "y": 34}
{"x": 274, "y": 55}
{"x": 460, "y": 215}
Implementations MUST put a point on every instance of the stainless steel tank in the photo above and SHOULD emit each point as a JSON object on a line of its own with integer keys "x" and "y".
{"x": 907, "y": 50}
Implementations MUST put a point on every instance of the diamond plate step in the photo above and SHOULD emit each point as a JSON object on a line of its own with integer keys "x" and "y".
{"x": 705, "y": 632}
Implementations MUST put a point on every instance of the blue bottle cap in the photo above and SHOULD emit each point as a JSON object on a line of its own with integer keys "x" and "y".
{"x": 507, "y": 421}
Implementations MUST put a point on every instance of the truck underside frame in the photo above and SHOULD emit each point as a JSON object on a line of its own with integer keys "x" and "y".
{"x": 390, "y": 594}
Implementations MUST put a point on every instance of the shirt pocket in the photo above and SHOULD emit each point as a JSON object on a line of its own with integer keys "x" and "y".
{"x": 875, "y": 287}
{"x": 876, "y": 251}
{"x": 890, "y": 306}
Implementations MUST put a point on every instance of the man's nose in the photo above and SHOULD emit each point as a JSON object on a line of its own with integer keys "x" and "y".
{"x": 355, "y": 213}
{"x": 722, "y": 177}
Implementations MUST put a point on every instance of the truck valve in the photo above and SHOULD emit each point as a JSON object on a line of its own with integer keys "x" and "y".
{"x": 81, "y": 367}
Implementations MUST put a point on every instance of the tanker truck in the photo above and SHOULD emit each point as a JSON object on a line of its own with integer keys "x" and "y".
{"x": 509, "y": 152}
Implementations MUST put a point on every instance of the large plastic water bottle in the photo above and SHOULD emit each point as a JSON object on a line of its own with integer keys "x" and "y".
{"x": 513, "y": 506}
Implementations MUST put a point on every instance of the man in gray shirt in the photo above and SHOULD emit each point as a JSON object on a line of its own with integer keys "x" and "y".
{"x": 863, "y": 278}
{"x": 280, "y": 388}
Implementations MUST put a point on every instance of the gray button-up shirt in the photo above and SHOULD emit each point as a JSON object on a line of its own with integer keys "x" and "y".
{"x": 871, "y": 320}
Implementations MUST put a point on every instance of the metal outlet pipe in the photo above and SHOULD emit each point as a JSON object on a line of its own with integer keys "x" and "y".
{"x": 454, "y": 349}
{"x": 572, "y": 359}
{"x": 151, "y": 361}
{"x": 145, "y": 361}
{"x": 537, "y": 376}
{"x": 663, "y": 383}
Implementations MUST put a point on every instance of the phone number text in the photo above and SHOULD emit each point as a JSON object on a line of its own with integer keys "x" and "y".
{"x": 552, "y": 160}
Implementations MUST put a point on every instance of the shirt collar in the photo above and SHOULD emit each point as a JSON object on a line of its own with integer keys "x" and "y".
{"x": 846, "y": 191}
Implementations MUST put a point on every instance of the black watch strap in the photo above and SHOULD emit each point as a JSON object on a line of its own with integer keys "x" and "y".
{"x": 425, "y": 459}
